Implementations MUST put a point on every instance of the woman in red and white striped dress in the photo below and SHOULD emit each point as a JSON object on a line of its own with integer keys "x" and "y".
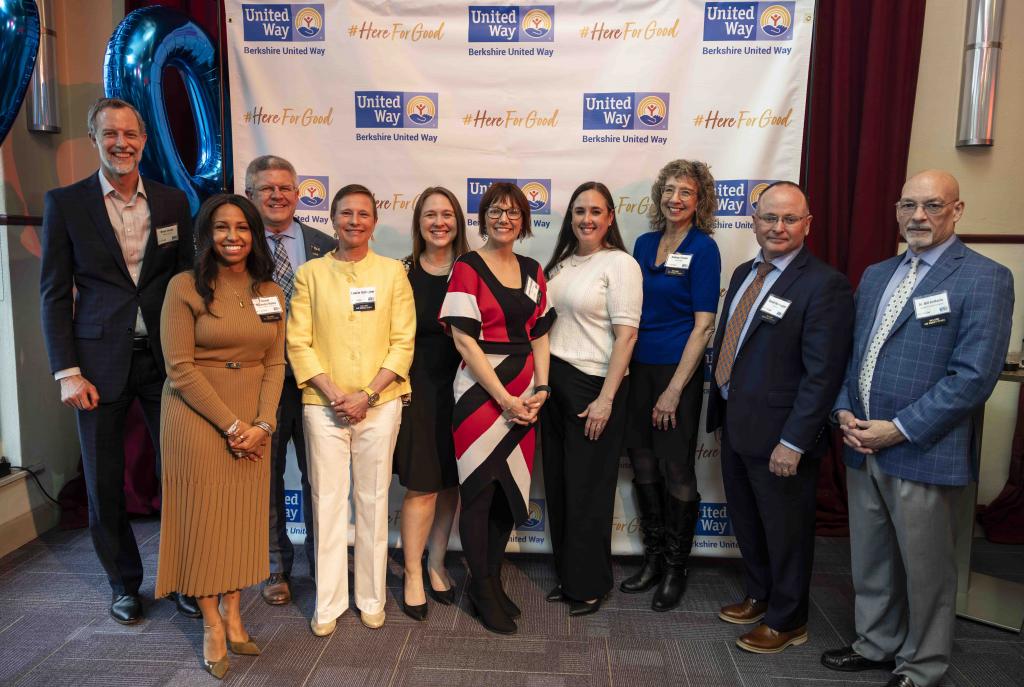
{"x": 498, "y": 313}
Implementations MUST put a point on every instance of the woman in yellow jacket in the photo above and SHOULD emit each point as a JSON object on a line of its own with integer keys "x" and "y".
{"x": 350, "y": 342}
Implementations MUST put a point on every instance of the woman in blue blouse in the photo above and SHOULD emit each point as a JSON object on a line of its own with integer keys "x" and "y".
{"x": 681, "y": 271}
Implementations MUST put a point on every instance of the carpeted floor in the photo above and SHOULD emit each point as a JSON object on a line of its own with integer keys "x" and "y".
{"x": 55, "y": 630}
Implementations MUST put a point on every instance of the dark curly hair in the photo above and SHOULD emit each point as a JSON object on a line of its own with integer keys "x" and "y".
{"x": 707, "y": 199}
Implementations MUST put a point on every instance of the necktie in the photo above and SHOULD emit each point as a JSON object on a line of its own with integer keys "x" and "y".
{"x": 892, "y": 311}
{"x": 284, "y": 275}
{"x": 731, "y": 340}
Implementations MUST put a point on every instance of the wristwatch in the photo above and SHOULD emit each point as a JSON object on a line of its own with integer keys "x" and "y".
{"x": 371, "y": 394}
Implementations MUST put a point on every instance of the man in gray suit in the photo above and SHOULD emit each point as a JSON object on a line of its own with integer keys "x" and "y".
{"x": 930, "y": 335}
{"x": 272, "y": 185}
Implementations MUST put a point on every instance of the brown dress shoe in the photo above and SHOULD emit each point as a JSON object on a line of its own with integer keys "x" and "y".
{"x": 764, "y": 640}
{"x": 276, "y": 591}
{"x": 745, "y": 612}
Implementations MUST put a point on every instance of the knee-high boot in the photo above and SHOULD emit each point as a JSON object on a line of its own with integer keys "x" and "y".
{"x": 680, "y": 522}
{"x": 652, "y": 525}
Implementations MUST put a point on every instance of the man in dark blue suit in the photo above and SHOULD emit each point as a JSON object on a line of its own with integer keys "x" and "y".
{"x": 930, "y": 338}
{"x": 272, "y": 185}
{"x": 111, "y": 242}
{"x": 778, "y": 362}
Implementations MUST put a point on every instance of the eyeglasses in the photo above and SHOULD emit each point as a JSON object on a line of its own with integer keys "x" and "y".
{"x": 495, "y": 212}
{"x": 684, "y": 193}
{"x": 906, "y": 208}
{"x": 270, "y": 190}
{"x": 788, "y": 220}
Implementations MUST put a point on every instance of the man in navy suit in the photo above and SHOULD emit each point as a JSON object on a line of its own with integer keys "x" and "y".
{"x": 272, "y": 185}
{"x": 111, "y": 242}
{"x": 930, "y": 338}
{"x": 778, "y": 362}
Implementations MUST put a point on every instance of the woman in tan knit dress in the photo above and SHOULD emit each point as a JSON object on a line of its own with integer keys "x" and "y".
{"x": 222, "y": 330}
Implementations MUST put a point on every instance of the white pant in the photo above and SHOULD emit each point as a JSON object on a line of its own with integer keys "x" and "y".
{"x": 331, "y": 447}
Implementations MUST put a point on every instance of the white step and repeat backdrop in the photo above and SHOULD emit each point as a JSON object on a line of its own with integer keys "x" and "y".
{"x": 403, "y": 95}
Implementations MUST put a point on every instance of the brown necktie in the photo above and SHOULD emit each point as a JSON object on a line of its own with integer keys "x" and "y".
{"x": 731, "y": 340}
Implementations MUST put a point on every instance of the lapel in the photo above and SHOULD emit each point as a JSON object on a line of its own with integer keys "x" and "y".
{"x": 734, "y": 285}
{"x": 313, "y": 249}
{"x": 947, "y": 264}
{"x": 781, "y": 285}
{"x": 870, "y": 293}
{"x": 97, "y": 209}
{"x": 149, "y": 257}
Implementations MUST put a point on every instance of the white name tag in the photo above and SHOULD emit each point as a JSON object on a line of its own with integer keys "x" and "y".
{"x": 532, "y": 289}
{"x": 931, "y": 310}
{"x": 268, "y": 308}
{"x": 774, "y": 308}
{"x": 363, "y": 298}
{"x": 676, "y": 264}
{"x": 166, "y": 234}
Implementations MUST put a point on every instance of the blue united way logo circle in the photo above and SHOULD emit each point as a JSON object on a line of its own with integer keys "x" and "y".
{"x": 534, "y": 516}
{"x": 312, "y": 192}
{"x": 308, "y": 22}
{"x": 537, "y": 197}
{"x": 420, "y": 109}
{"x": 775, "y": 20}
{"x": 651, "y": 110}
{"x": 755, "y": 193}
{"x": 536, "y": 23}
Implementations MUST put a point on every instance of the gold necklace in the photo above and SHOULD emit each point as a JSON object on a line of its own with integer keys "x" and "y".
{"x": 445, "y": 267}
{"x": 239, "y": 297}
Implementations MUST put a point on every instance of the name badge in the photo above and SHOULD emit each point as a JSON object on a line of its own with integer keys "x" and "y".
{"x": 774, "y": 308}
{"x": 532, "y": 289}
{"x": 677, "y": 264}
{"x": 268, "y": 308}
{"x": 363, "y": 298}
{"x": 166, "y": 234}
{"x": 931, "y": 310}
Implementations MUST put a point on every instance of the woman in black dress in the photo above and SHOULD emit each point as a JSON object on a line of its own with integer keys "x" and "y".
{"x": 425, "y": 453}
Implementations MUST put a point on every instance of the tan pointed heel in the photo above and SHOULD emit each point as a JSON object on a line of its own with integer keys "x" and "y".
{"x": 218, "y": 668}
{"x": 246, "y": 648}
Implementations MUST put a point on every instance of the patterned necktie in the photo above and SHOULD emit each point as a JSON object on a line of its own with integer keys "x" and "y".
{"x": 731, "y": 340}
{"x": 284, "y": 275}
{"x": 892, "y": 311}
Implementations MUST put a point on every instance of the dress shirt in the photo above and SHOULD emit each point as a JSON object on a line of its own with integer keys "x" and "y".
{"x": 131, "y": 222}
{"x": 327, "y": 335}
{"x": 293, "y": 244}
{"x": 780, "y": 264}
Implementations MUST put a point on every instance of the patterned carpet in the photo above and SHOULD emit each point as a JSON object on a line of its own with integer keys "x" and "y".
{"x": 55, "y": 630}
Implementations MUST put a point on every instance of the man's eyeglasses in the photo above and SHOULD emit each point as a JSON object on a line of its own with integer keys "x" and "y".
{"x": 906, "y": 208}
{"x": 270, "y": 190}
{"x": 788, "y": 220}
{"x": 495, "y": 212}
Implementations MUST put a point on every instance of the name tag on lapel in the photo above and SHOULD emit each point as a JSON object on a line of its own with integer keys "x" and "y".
{"x": 774, "y": 308}
{"x": 677, "y": 264}
{"x": 931, "y": 310}
{"x": 363, "y": 299}
{"x": 532, "y": 289}
{"x": 166, "y": 234}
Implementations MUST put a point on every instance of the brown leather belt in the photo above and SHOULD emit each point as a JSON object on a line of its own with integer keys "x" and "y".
{"x": 231, "y": 365}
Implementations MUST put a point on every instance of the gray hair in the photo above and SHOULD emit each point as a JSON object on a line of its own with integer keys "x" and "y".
{"x": 111, "y": 104}
{"x": 264, "y": 163}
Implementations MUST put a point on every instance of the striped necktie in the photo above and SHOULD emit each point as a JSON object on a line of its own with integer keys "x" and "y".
{"x": 284, "y": 275}
{"x": 731, "y": 340}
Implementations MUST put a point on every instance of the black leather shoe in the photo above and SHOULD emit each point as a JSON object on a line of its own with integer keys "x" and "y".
{"x": 445, "y": 597}
{"x": 415, "y": 612}
{"x": 584, "y": 607}
{"x": 126, "y": 609}
{"x": 555, "y": 595}
{"x": 849, "y": 661}
{"x": 187, "y": 605}
{"x": 900, "y": 681}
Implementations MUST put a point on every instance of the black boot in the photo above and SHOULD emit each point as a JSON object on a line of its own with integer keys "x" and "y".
{"x": 652, "y": 524}
{"x": 680, "y": 521}
{"x": 484, "y": 603}
{"x": 507, "y": 604}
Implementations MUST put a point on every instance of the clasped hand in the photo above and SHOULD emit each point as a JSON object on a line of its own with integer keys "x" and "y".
{"x": 868, "y": 436}
{"x": 248, "y": 441}
{"x": 522, "y": 411}
{"x": 352, "y": 407}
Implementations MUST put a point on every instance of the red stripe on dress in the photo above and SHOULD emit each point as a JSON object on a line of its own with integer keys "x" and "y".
{"x": 493, "y": 327}
{"x": 473, "y": 427}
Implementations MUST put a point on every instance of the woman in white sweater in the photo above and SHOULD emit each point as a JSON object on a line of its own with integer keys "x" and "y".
{"x": 598, "y": 289}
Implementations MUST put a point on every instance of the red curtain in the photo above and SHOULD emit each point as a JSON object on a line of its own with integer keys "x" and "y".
{"x": 863, "y": 85}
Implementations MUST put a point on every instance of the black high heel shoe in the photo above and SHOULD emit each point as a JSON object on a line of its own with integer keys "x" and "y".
{"x": 445, "y": 597}
{"x": 415, "y": 612}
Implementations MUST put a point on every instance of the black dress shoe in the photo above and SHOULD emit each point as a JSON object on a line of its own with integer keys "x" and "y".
{"x": 187, "y": 605}
{"x": 445, "y": 597}
{"x": 126, "y": 609}
{"x": 900, "y": 681}
{"x": 849, "y": 661}
{"x": 584, "y": 607}
{"x": 555, "y": 595}
{"x": 415, "y": 612}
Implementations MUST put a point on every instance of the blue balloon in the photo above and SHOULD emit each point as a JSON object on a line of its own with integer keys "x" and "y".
{"x": 148, "y": 40}
{"x": 19, "y": 45}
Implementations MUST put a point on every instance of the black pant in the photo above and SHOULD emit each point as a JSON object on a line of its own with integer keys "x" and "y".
{"x": 773, "y": 520}
{"x": 289, "y": 428}
{"x": 579, "y": 480}
{"x": 101, "y": 432}
{"x": 484, "y": 525}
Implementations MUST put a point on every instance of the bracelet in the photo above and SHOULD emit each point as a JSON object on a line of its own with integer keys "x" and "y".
{"x": 232, "y": 429}
{"x": 264, "y": 426}
{"x": 542, "y": 387}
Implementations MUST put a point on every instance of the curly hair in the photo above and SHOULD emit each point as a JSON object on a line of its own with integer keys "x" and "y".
{"x": 707, "y": 199}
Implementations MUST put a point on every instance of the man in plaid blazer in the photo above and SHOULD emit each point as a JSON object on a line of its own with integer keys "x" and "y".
{"x": 931, "y": 332}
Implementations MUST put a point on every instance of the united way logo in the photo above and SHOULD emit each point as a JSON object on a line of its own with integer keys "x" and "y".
{"x": 748, "y": 21}
{"x": 313, "y": 193}
{"x": 395, "y": 110}
{"x": 293, "y": 505}
{"x": 713, "y": 520}
{"x": 283, "y": 23}
{"x": 625, "y": 111}
{"x": 537, "y": 192}
{"x": 511, "y": 23}
{"x": 535, "y": 517}
{"x": 738, "y": 197}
